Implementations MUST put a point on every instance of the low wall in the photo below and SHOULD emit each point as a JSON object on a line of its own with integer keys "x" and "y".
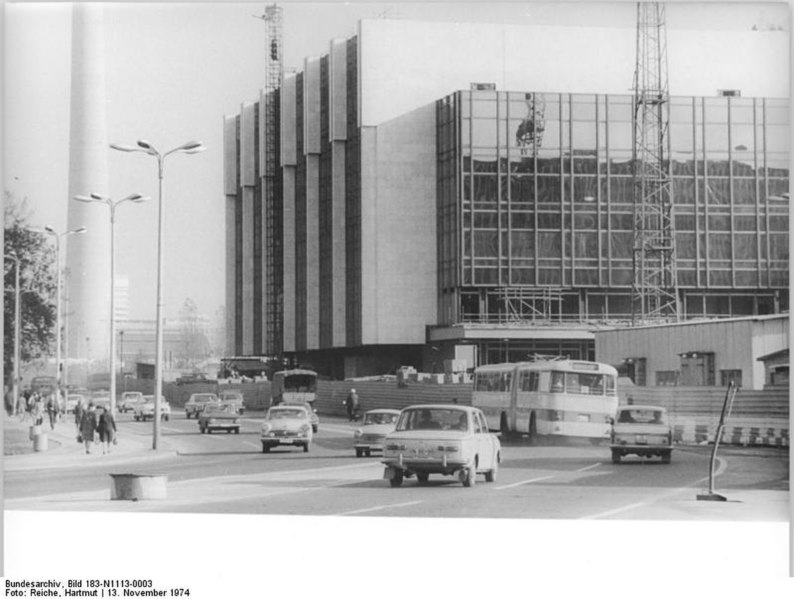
{"x": 756, "y": 418}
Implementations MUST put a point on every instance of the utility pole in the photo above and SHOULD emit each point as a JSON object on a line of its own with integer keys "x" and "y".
{"x": 655, "y": 286}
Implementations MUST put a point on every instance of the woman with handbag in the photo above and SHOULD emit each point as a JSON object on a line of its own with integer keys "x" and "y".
{"x": 106, "y": 426}
{"x": 88, "y": 426}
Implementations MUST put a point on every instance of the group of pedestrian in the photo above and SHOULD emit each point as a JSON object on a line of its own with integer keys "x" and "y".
{"x": 95, "y": 424}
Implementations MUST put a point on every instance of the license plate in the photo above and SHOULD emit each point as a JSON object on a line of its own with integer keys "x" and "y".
{"x": 285, "y": 440}
{"x": 641, "y": 439}
{"x": 583, "y": 417}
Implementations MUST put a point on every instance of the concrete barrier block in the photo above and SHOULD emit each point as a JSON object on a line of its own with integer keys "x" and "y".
{"x": 134, "y": 487}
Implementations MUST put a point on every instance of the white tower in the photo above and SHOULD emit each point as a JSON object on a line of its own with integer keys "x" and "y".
{"x": 88, "y": 255}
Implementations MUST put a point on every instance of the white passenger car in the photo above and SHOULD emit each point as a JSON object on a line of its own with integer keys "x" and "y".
{"x": 145, "y": 410}
{"x": 375, "y": 425}
{"x": 288, "y": 425}
{"x": 441, "y": 439}
{"x": 643, "y": 431}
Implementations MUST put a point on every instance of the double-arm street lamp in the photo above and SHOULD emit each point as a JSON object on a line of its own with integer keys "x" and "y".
{"x": 95, "y": 198}
{"x": 58, "y": 236}
{"x": 191, "y": 147}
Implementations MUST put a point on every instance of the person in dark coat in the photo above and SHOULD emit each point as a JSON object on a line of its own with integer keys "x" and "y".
{"x": 88, "y": 426}
{"x": 106, "y": 425}
{"x": 52, "y": 409}
{"x": 351, "y": 405}
{"x": 79, "y": 408}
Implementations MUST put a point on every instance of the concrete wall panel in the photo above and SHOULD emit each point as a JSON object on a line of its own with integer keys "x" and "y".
{"x": 338, "y": 90}
{"x": 289, "y": 142}
{"x": 312, "y": 141}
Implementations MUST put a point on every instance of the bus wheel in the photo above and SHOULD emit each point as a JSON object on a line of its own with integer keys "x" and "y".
{"x": 532, "y": 433}
{"x": 503, "y": 428}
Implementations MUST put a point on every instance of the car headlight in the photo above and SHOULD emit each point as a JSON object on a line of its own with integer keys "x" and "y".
{"x": 358, "y": 433}
{"x": 305, "y": 428}
{"x": 266, "y": 428}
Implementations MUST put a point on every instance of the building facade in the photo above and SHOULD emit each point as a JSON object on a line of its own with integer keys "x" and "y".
{"x": 415, "y": 218}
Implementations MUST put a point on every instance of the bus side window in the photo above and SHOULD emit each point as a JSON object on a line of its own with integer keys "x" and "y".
{"x": 610, "y": 385}
{"x": 557, "y": 382}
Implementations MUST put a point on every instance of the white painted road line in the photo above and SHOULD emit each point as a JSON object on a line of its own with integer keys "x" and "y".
{"x": 523, "y": 482}
{"x": 377, "y": 508}
{"x": 722, "y": 465}
{"x": 586, "y": 468}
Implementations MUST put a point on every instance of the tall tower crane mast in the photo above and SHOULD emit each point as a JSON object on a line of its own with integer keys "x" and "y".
{"x": 655, "y": 293}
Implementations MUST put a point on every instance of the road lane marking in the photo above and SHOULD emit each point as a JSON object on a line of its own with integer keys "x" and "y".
{"x": 586, "y": 468}
{"x": 523, "y": 482}
{"x": 377, "y": 508}
{"x": 723, "y": 464}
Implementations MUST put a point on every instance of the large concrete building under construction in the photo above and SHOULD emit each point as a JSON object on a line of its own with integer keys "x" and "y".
{"x": 430, "y": 199}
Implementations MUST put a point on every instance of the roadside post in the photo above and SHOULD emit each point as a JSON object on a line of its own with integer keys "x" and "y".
{"x": 730, "y": 394}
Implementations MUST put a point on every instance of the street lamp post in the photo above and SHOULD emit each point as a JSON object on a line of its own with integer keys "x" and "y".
{"x": 97, "y": 198}
{"x": 57, "y": 236}
{"x": 17, "y": 328}
{"x": 190, "y": 147}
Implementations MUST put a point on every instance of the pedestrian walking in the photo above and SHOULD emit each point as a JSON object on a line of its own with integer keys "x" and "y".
{"x": 38, "y": 410}
{"x": 106, "y": 426}
{"x": 79, "y": 408}
{"x": 351, "y": 404}
{"x": 88, "y": 426}
{"x": 52, "y": 410}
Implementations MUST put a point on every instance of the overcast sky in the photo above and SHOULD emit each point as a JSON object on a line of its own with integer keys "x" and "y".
{"x": 174, "y": 71}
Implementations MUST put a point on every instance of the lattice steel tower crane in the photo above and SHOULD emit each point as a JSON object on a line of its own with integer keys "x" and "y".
{"x": 655, "y": 288}
{"x": 271, "y": 194}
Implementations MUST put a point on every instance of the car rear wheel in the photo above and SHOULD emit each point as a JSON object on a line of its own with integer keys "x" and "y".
{"x": 306, "y": 448}
{"x": 265, "y": 448}
{"x": 237, "y": 430}
{"x": 490, "y": 476}
{"x": 469, "y": 479}
{"x": 666, "y": 457}
{"x": 615, "y": 456}
{"x": 359, "y": 452}
{"x": 397, "y": 479}
{"x": 422, "y": 477}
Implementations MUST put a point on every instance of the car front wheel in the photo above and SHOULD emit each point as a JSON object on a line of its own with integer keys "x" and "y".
{"x": 666, "y": 457}
{"x": 615, "y": 456}
{"x": 265, "y": 448}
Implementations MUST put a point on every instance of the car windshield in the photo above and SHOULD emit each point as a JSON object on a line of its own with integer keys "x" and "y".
{"x": 231, "y": 396}
{"x": 222, "y": 409}
{"x": 204, "y": 398}
{"x": 380, "y": 418}
{"x": 642, "y": 416}
{"x": 433, "y": 419}
{"x": 286, "y": 413}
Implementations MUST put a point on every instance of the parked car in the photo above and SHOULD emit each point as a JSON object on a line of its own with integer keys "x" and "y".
{"x": 197, "y": 402}
{"x": 72, "y": 400}
{"x": 195, "y": 377}
{"x": 375, "y": 425}
{"x": 643, "y": 431}
{"x": 145, "y": 409}
{"x": 101, "y": 399}
{"x": 234, "y": 399}
{"x": 219, "y": 417}
{"x": 129, "y": 399}
{"x": 286, "y": 425}
{"x": 441, "y": 439}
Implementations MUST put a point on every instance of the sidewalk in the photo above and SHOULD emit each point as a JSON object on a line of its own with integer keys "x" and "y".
{"x": 63, "y": 450}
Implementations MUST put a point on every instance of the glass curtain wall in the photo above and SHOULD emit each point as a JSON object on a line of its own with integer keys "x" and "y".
{"x": 535, "y": 205}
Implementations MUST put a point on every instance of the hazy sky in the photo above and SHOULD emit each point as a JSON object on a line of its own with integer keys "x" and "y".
{"x": 175, "y": 69}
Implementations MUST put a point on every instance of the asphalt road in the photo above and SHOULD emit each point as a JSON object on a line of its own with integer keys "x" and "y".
{"x": 227, "y": 473}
